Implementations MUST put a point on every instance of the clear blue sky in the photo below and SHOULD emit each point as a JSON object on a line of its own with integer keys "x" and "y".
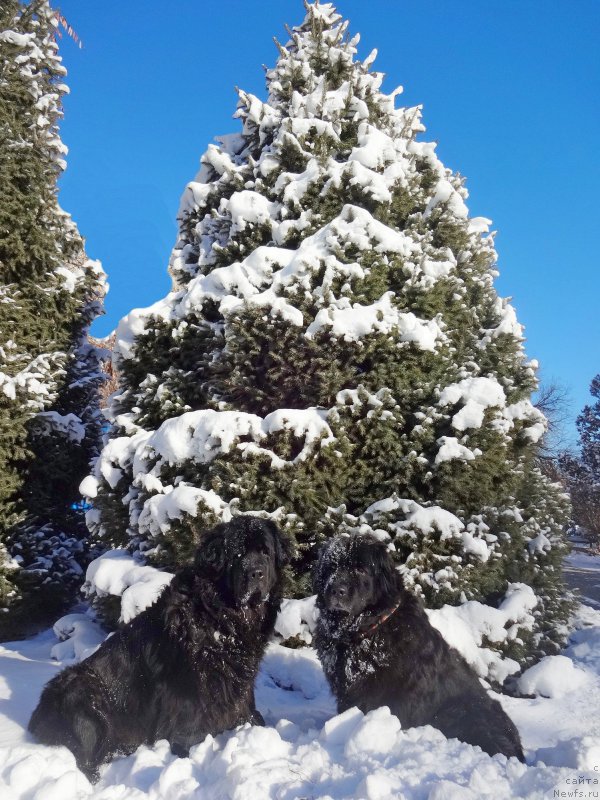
{"x": 510, "y": 90}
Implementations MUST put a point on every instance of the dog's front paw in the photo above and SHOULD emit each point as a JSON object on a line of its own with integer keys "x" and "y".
{"x": 180, "y": 750}
{"x": 257, "y": 718}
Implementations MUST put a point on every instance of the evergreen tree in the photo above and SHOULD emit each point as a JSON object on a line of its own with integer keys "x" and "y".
{"x": 588, "y": 425}
{"x": 333, "y": 353}
{"x": 49, "y": 294}
{"x": 582, "y": 472}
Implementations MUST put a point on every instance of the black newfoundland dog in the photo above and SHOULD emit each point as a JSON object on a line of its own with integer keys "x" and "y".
{"x": 378, "y": 648}
{"x": 185, "y": 667}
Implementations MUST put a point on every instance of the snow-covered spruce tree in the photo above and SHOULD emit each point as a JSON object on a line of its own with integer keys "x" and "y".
{"x": 582, "y": 472}
{"x": 333, "y": 353}
{"x": 49, "y": 294}
{"x": 588, "y": 425}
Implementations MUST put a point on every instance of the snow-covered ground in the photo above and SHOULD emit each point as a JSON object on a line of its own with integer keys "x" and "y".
{"x": 306, "y": 751}
{"x": 583, "y": 559}
{"x": 581, "y": 571}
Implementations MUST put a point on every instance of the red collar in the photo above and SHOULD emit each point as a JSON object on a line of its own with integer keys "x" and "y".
{"x": 373, "y": 622}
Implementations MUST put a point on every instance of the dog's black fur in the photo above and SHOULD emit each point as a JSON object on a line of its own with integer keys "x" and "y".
{"x": 401, "y": 661}
{"x": 183, "y": 668}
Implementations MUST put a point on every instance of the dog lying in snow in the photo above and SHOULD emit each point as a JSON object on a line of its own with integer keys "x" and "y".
{"x": 183, "y": 668}
{"x": 378, "y": 648}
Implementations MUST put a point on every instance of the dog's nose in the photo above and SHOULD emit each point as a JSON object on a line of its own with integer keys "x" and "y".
{"x": 257, "y": 574}
{"x": 338, "y": 591}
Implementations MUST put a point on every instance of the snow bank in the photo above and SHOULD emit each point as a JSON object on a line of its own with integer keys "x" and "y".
{"x": 30, "y": 772}
{"x": 309, "y": 751}
{"x": 553, "y": 676}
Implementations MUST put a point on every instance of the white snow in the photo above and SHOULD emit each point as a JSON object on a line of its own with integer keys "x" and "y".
{"x": 553, "y": 676}
{"x": 477, "y": 395}
{"x": 198, "y": 435}
{"x": 587, "y": 560}
{"x": 248, "y": 208}
{"x": 353, "y": 322}
{"x": 134, "y": 324}
{"x": 475, "y": 545}
{"x": 79, "y": 636}
{"x": 117, "y": 573}
{"x": 467, "y": 626}
{"x": 69, "y": 425}
{"x": 159, "y": 511}
{"x": 451, "y": 449}
{"x": 18, "y": 39}
{"x": 297, "y": 618}
{"x": 417, "y": 517}
{"x": 307, "y": 750}
{"x": 203, "y": 435}
{"x": 89, "y": 487}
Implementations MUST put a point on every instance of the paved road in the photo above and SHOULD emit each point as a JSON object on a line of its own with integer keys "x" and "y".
{"x": 586, "y": 582}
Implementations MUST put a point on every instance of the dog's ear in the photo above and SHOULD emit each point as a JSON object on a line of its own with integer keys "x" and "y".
{"x": 283, "y": 546}
{"x": 211, "y": 551}
{"x": 322, "y": 567}
{"x": 389, "y": 579}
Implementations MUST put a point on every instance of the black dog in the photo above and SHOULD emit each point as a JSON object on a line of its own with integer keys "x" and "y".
{"x": 378, "y": 648}
{"x": 185, "y": 667}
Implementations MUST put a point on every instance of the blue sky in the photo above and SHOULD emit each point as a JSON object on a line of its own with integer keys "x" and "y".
{"x": 510, "y": 91}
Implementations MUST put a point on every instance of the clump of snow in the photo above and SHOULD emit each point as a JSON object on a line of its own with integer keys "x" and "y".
{"x": 411, "y": 522}
{"x": 507, "y": 325}
{"x": 199, "y": 435}
{"x": 451, "y": 449}
{"x": 89, "y": 487}
{"x": 297, "y": 618}
{"x": 159, "y": 511}
{"x": 134, "y": 324}
{"x": 71, "y": 277}
{"x": 202, "y": 435}
{"x": 117, "y": 573}
{"x": 372, "y": 734}
{"x": 33, "y": 384}
{"x": 79, "y": 636}
{"x": 423, "y": 518}
{"x": 553, "y": 676}
{"x": 248, "y": 208}
{"x": 475, "y": 545}
{"x": 354, "y": 321}
{"x": 29, "y": 772}
{"x": 426, "y": 519}
{"x": 465, "y": 628}
{"x": 69, "y": 425}
{"x": 477, "y": 395}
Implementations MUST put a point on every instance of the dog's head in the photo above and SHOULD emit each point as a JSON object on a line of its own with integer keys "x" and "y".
{"x": 355, "y": 573}
{"x": 244, "y": 558}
